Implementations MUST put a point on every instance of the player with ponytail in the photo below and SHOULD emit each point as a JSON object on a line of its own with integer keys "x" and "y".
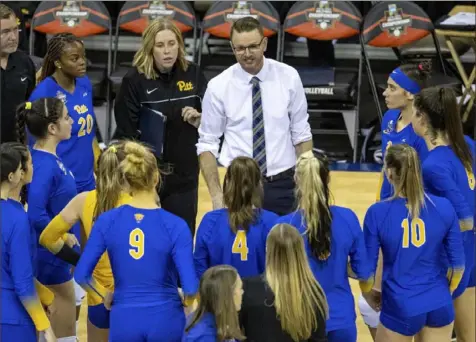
{"x": 144, "y": 243}
{"x": 448, "y": 172}
{"x": 23, "y": 297}
{"x": 86, "y": 207}
{"x": 332, "y": 234}
{"x": 53, "y": 186}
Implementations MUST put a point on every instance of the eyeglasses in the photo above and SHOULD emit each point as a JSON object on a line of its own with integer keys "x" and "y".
{"x": 251, "y": 48}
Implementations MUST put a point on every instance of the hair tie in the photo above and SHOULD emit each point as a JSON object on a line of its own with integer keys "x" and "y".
{"x": 28, "y": 105}
{"x": 113, "y": 149}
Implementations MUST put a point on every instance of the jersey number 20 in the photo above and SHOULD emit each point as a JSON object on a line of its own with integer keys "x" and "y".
{"x": 136, "y": 242}
{"x": 86, "y": 125}
{"x": 240, "y": 245}
{"x": 413, "y": 232}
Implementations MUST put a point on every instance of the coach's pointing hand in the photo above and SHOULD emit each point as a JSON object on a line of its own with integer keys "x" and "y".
{"x": 192, "y": 116}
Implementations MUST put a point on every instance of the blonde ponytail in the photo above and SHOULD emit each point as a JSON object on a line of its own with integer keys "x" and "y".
{"x": 312, "y": 192}
{"x": 407, "y": 178}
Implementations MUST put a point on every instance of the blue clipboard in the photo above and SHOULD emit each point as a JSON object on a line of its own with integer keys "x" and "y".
{"x": 152, "y": 129}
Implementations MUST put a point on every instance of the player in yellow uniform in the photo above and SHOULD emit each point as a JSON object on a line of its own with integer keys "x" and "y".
{"x": 86, "y": 207}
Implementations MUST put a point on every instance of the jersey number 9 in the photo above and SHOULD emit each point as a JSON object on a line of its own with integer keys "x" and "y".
{"x": 136, "y": 242}
{"x": 86, "y": 125}
{"x": 240, "y": 245}
{"x": 413, "y": 232}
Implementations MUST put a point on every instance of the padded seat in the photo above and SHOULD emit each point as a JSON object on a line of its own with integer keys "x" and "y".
{"x": 338, "y": 85}
{"x": 37, "y": 61}
{"x": 117, "y": 76}
{"x": 426, "y": 47}
{"x": 211, "y": 71}
{"x": 97, "y": 73}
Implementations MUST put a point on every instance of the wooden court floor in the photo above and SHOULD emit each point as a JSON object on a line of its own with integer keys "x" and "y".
{"x": 355, "y": 190}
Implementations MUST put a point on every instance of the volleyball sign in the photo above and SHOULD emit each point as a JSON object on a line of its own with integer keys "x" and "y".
{"x": 395, "y": 23}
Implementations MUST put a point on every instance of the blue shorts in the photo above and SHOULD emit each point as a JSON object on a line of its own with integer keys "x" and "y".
{"x": 348, "y": 334}
{"x": 98, "y": 315}
{"x": 13, "y": 332}
{"x": 468, "y": 240}
{"x": 49, "y": 274}
{"x": 147, "y": 323}
{"x": 410, "y": 326}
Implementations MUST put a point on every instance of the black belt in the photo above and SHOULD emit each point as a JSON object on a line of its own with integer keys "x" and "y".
{"x": 285, "y": 174}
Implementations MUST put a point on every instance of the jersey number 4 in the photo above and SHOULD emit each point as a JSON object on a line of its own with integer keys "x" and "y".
{"x": 86, "y": 125}
{"x": 240, "y": 245}
{"x": 136, "y": 242}
{"x": 413, "y": 232}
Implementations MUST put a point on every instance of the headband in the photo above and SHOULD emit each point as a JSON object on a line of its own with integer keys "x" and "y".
{"x": 28, "y": 105}
{"x": 404, "y": 81}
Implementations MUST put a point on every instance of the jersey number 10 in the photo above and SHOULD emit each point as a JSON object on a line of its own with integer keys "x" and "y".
{"x": 413, "y": 232}
{"x": 240, "y": 245}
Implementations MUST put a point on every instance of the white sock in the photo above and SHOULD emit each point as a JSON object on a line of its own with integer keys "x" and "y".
{"x": 67, "y": 339}
{"x": 41, "y": 337}
{"x": 77, "y": 327}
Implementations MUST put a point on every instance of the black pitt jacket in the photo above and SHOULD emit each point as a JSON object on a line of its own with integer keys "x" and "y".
{"x": 168, "y": 94}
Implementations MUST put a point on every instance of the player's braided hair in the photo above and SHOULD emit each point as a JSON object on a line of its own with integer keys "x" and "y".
{"x": 56, "y": 47}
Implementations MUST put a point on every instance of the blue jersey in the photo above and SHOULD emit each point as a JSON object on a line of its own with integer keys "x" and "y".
{"x": 412, "y": 280}
{"x": 445, "y": 175}
{"x": 205, "y": 330}
{"x": 216, "y": 244}
{"x": 50, "y": 190}
{"x": 390, "y": 136}
{"x": 18, "y": 253}
{"x": 149, "y": 250}
{"x": 76, "y": 152}
{"x": 347, "y": 241}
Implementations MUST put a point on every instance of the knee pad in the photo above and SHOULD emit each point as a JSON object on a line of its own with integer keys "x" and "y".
{"x": 370, "y": 316}
{"x": 79, "y": 293}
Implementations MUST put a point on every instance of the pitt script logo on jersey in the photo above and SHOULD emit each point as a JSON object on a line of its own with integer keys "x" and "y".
{"x": 184, "y": 86}
{"x": 81, "y": 109}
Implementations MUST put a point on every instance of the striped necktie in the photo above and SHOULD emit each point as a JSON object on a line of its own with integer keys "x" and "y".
{"x": 259, "y": 144}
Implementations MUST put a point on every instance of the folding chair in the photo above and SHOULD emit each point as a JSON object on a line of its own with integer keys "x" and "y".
{"x": 81, "y": 18}
{"x": 394, "y": 25}
{"x": 134, "y": 17}
{"x": 329, "y": 90}
{"x": 220, "y": 16}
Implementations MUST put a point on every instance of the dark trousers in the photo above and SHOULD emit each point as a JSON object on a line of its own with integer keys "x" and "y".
{"x": 182, "y": 204}
{"x": 279, "y": 195}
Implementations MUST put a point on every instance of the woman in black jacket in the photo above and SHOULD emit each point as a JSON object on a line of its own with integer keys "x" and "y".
{"x": 286, "y": 303}
{"x": 163, "y": 81}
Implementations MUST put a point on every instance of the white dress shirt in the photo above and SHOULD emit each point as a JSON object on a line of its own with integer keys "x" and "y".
{"x": 227, "y": 110}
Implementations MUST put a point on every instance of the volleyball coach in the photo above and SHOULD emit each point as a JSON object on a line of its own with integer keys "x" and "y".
{"x": 260, "y": 108}
{"x": 164, "y": 82}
